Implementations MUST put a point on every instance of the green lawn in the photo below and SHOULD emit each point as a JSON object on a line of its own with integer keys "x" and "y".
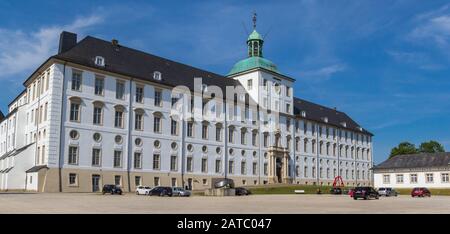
{"x": 289, "y": 189}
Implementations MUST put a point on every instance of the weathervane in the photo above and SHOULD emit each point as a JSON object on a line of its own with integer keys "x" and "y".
{"x": 254, "y": 19}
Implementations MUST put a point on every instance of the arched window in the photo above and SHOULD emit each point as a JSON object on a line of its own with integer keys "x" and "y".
{"x": 75, "y": 109}
{"x": 157, "y": 122}
{"x": 119, "y": 116}
{"x": 139, "y": 119}
{"x": 97, "y": 118}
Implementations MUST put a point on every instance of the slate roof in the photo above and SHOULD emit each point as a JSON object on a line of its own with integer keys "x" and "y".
{"x": 2, "y": 116}
{"x": 318, "y": 113}
{"x": 423, "y": 160}
{"x": 141, "y": 65}
{"x": 130, "y": 62}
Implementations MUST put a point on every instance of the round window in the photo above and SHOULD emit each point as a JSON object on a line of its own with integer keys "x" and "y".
{"x": 74, "y": 134}
{"x": 243, "y": 152}
{"x": 218, "y": 150}
{"x": 190, "y": 147}
{"x": 254, "y": 153}
{"x": 157, "y": 144}
{"x": 118, "y": 139}
{"x": 204, "y": 149}
{"x": 265, "y": 155}
{"x": 231, "y": 151}
{"x": 138, "y": 141}
{"x": 277, "y": 88}
{"x": 97, "y": 137}
{"x": 174, "y": 145}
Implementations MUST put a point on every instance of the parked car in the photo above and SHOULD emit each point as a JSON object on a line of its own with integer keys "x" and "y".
{"x": 420, "y": 192}
{"x": 161, "y": 191}
{"x": 112, "y": 189}
{"x": 365, "y": 193}
{"x": 239, "y": 191}
{"x": 143, "y": 190}
{"x": 387, "y": 192}
{"x": 336, "y": 191}
{"x": 181, "y": 192}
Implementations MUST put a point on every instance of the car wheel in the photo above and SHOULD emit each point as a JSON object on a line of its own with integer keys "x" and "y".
{"x": 112, "y": 192}
{"x": 377, "y": 197}
{"x": 354, "y": 198}
{"x": 137, "y": 193}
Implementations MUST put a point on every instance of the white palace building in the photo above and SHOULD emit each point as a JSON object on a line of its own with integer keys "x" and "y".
{"x": 100, "y": 113}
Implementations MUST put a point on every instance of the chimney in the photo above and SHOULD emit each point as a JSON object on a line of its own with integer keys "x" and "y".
{"x": 67, "y": 41}
{"x": 115, "y": 42}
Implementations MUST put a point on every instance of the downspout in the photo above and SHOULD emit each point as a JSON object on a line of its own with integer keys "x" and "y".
{"x": 183, "y": 140}
{"x": 226, "y": 138}
{"x": 317, "y": 153}
{"x": 130, "y": 122}
{"x": 260, "y": 134}
{"x": 294, "y": 148}
{"x": 61, "y": 146}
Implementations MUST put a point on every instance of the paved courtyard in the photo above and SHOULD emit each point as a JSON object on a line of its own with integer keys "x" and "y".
{"x": 130, "y": 203}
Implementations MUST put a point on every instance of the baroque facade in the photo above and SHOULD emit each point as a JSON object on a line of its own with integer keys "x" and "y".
{"x": 101, "y": 113}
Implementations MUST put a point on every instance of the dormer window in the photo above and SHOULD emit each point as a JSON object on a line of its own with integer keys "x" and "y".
{"x": 204, "y": 88}
{"x": 157, "y": 75}
{"x": 303, "y": 113}
{"x": 100, "y": 61}
{"x": 344, "y": 124}
{"x": 360, "y": 128}
{"x": 325, "y": 119}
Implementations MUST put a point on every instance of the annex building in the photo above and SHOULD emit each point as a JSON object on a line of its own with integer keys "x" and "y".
{"x": 98, "y": 112}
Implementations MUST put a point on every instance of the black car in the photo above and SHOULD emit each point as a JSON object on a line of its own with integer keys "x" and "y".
{"x": 112, "y": 189}
{"x": 242, "y": 191}
{"x": 161, "y": 191}
{"x": 336, "y": 191}
{"x": 365, "y": 193}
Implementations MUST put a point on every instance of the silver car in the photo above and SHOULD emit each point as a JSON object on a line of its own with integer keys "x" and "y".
{"x": 180, "y": 192}
{"x": 387, "y": 192}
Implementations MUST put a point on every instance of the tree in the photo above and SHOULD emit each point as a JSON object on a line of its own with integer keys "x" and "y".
{"x": 403, "y": 148}
{"x": 431, "y": 147}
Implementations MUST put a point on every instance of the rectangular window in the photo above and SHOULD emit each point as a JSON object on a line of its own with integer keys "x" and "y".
{"x": 137, "y": 181}
{"x": 266, "y": 140}
{"x": 231, "y": 135}
{"x": 218, "y": 133}
{"x": 250, "y": 84}
{"x": 45, "y": 111}
{"x": 265, "y": 169}
{"x": 74, "y": 112}
{"x": 243, "y": 138}
{"x": 190, "y": 129}
{"x": 174, "y": 182}
{"x": 97, "y": 118}
{"x": 118, "y": 180}
{"x": 204, "y": 165}
{"x": 156, "y": 181}
{"x": 386, "y": 179}
{"x": 413, "y": 178}
{"x": 399, "y": 179}
{"x": 243, "y": 168}
{"x": 288, "y": 108}
{"x": 429, "y": 178}
{"x": 73, "y": 179}
{"x": 117, "y": 158}
{"x": 173, "y": 163}
{"x": 76, "y": 81}
{"x": 120, "y": 90}
{"x": 157, "y": 124}
{"x": 158, "y": 98}
{"x": 138, "y": 120}
{"x": 139, "y": 94}
{"x": 205, "y": 132}
{"x": 137, "y": 160}
{"x": 231, "y": 167}
{"x": 444, "y": 178}
{"x": 305, "y": 172}
{"x": 218, "y": 165}
{"x": 156, "y": 162}
{"x": 266, "y": 87}
{"x": 118, "y": 119}
{"x": 99, "y": 85}
{"x": 255, "y": 168}
{"x": 189, "y": 166}
{"x": 96, "y": 156}
{"x": 254, "y": 138}
{"x": 73, "y": 155}
{"x": 173, "y": 127}
{"x": 288, "y": 91}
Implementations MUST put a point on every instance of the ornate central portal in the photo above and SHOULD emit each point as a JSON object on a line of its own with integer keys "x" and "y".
{"x": 278, "y": 165}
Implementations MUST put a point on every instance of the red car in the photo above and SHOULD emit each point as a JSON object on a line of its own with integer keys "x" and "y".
{"x": 420, "y": 192}
{"x": 351, "y": 192}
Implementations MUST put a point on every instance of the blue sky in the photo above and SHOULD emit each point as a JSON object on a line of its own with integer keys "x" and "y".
{"x": 385, "y": 63}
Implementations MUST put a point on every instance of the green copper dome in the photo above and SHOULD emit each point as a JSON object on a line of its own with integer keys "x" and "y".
{"x": 254, "y": 36}
{"x": 253, "y": 62}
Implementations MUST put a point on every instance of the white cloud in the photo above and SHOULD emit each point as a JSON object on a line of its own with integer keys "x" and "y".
{"x": 436, "y": 28}
{"x": 324, "y": 72}
{"x": 23, "y": 51}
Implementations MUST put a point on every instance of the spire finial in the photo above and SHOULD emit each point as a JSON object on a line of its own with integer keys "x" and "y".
{"x": 254, "y": 19}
